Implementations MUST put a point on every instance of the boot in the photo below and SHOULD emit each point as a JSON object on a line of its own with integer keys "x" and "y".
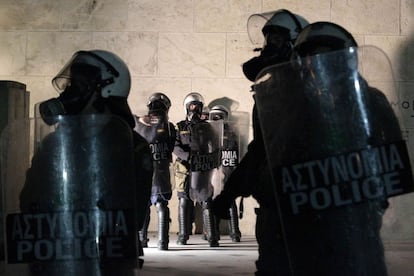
{"x": 191, "y": 213}
{"x": 235, "y": 233}
{"x": 210, "y": 224}
{"x": 184, "y": 220}
{"x": 217, "y": 223}
{"x": 163, "y": 224}
{"x": 143, "y": 233}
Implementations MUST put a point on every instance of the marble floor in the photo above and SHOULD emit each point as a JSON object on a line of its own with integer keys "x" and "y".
{"x": 198, "y": 259}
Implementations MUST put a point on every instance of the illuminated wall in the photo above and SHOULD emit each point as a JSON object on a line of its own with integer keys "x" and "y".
{"x": 180, "y": 46}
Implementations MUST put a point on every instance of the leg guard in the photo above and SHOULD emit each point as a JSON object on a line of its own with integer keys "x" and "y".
{"x": 163, "y": 224}
{"x": 210, "y": 224}
{"x": 143, "y": 233}
{"x": 184, "y": 220}
{"x": 235, "y": 233}
{"x": 217, "y": 222}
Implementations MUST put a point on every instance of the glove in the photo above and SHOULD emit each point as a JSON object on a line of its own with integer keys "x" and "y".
{"x": 221, "y": 206}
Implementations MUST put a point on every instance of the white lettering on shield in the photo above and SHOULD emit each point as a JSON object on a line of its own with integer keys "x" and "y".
{"x": 65, "y": 236}
{"x": 229, "y": 158}
{"x": 343, "y": 180}
{"x": 160, "y": 151}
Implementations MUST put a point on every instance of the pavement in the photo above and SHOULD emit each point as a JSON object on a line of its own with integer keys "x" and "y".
{"x": 198, "y": 259}
{"x": 194, "y": 259}
{"x": 400, "y": 258}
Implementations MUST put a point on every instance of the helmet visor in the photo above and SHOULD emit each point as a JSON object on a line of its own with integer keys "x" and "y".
{"x": 195, "y": 106}
{"x": 158, "y": 99}
{"x": 84, "y": 66}
{"x": 255, "y": 24}
{"x": 62, "y": 79}
{"x": 157, "y": 106}
{"x": 215, "y": 116}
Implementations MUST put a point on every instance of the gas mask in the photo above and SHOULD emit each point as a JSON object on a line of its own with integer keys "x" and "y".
{"x": 277, "y": 49}
{"x": 157, "y": 108}
{"x": 83, "y": 83}
{"x": 194, "y": 111}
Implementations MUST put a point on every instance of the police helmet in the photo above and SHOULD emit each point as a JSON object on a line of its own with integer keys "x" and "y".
{"x": 159, "y": 101}
{"x": 260, "y": 25}
{"x": 114, "y": 75}
{"x": 205, "y": 112}
{"x": 321, "y": 37}
{"x": 219, "y": 112}
{"x": 193, "y": 98}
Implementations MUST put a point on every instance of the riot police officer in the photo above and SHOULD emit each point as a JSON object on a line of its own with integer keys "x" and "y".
{"x": 252, "y": 176}
{"x": 205, "y": 113}
{"x": 84, "y": 169}
{"x": 160, "y": 134}
{"x": 197, "y": 152}
{"x": 229, "y": 162}
{"x": 344, "y": 114}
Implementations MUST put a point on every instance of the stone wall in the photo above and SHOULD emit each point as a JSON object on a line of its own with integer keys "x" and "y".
{"x": 180, "y": 46}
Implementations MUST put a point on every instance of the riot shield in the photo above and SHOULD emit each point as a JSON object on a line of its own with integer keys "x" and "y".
{"x": 233, "y": 145}
{"x": 72, "y": 209}
{"x": 336, "y": 153}
{"x": 204, "y": 158}
{"x": 161, "y": 137}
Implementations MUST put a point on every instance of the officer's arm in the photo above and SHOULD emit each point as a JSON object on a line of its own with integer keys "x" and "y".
{"x": 180, "y": 150}
{"x": 385, "y": 120}
{"x": 171, "y": 139}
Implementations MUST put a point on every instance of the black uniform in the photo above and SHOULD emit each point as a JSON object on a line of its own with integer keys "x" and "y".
{"x": 160, "y": 134}
{"x": 252, "y": 178}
